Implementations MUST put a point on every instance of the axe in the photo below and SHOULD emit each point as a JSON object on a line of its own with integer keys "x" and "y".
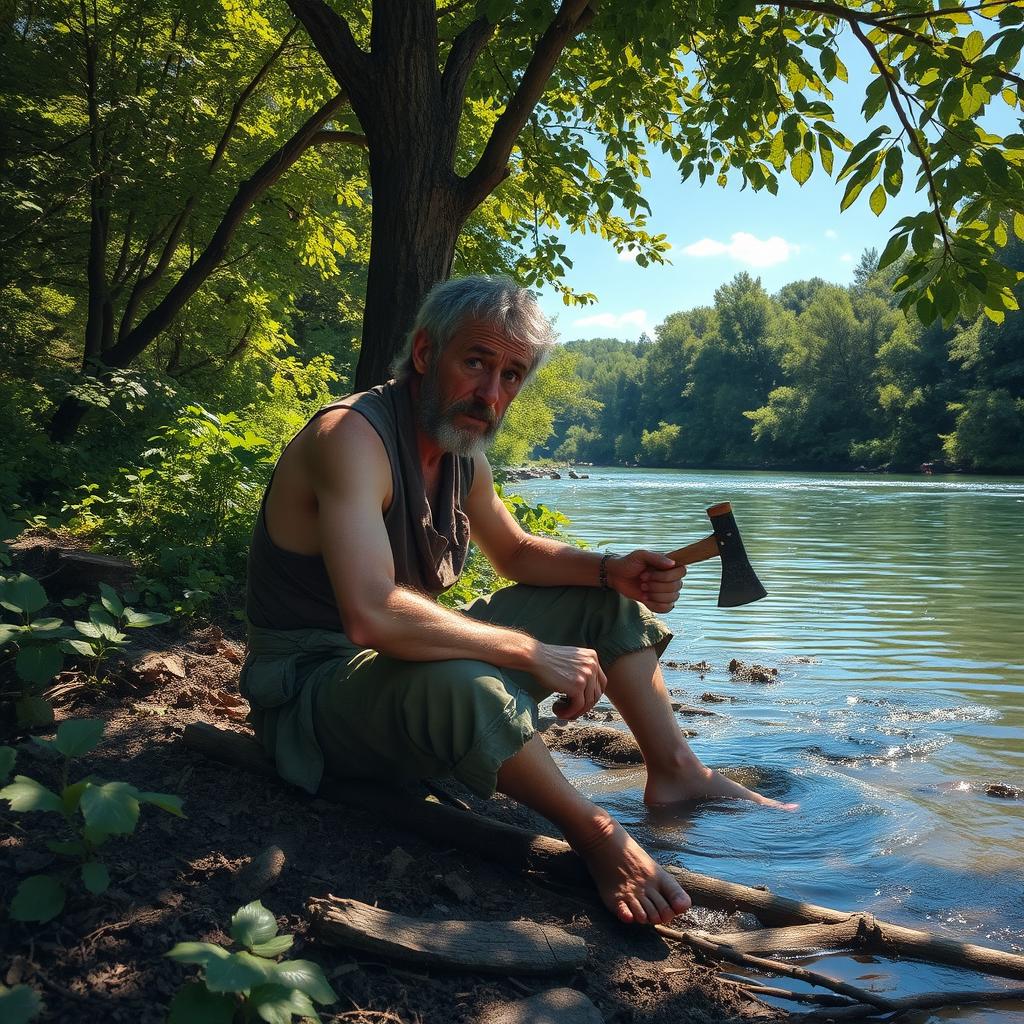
{"x": 740, "y": 584}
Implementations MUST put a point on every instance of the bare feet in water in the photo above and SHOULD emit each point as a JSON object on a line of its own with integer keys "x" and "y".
{"x": 699, "y": 782}
{"x": 631, "y": 884}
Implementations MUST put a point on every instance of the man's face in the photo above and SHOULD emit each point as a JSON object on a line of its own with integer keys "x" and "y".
{"x": 465, "y": 392}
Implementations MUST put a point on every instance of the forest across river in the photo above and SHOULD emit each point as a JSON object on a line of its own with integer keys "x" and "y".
{"x": 895, "y": 619}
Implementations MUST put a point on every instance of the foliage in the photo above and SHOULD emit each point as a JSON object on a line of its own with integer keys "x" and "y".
{"x": 19, "y": 1004}
{"x": 251, "y": 982}
{"x": 106, "y": 808}
{"x": 40, "y": 643}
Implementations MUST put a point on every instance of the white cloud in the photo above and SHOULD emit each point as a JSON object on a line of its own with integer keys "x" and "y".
{"x": 634, "y": 321}
{"x": 830, "y": 233}
{"x": 628, "y": 256}
{"x": 846, "y": 257}
{"x": 746, "y": 248}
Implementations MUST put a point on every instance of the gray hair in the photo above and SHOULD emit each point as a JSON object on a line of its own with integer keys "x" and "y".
{"x": 491, "y": 299}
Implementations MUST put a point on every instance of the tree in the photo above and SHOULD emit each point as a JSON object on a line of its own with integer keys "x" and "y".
{"x": 454, "y": 101}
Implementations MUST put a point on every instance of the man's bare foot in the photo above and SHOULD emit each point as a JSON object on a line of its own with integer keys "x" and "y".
{"x": 631, "y": 884}
{"x": 701, "y": 783}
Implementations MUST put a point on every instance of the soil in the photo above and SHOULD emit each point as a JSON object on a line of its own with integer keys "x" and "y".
{"x": 182, "y": 879}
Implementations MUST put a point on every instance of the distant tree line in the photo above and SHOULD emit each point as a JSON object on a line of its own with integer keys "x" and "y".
{"x": 816, "y": 376}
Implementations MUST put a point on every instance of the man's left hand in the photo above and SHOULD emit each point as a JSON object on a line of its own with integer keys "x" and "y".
{"x": 648, "y": 577}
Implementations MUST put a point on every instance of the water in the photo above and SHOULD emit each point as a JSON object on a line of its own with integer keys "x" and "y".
{"x": 903, "y": 599}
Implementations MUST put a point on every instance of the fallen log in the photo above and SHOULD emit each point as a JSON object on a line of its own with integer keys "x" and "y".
{"x": 521, "y": 849}
{"x": 797, "y": 938}
{"x": 522, "y": 947}
{"x": 922, "y": 1001}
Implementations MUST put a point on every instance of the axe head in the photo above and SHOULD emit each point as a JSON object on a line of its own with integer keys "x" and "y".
{"x": 740, "y": 584}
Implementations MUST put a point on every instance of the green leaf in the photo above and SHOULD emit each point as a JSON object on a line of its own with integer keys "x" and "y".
{"x": 922, "y": 238}
{"x": 23, "y": 594}
{"x": 78, "y": 736}
{"x": 995, "y": 166}
{"x": 895, "y": 248}
{"x": 82, "y": 647}
{"x": 166, "y": 802}
{"x": 45, "y": 625}
{"x": 7, "y": 758}
{"x": 38, "y": 663}
{"x": 203, "y": 953}
{"x": 39, "y": 898}
{"x": 973, "y": 46}
{"x": 801, "y": 166}
{"x": 252, "y": 924}
{"x": 20, "y": 1004}
{"x": 1018, "y": 225}
{"x": 96, "y": 877}
{"x": 32, "y": 711}
{"x": 853, "y": 189}
{"x": 194, "y": 1004}
{"x": 827, "y": 155}
{"x": 877, "y": 200}
{"x": 8, "y": 632}
{"x": 66, "y": 847}
{"x": 892, "y": 177}
{"x": 306, "y": 976}
{"x": 238, "y": 973}
{"x": 274, "y": 947}
{"x": 110, "y": 600}
{"x": 112, "y": 807}
{"x": 95, "y": 836}
{"x": 89, "y": 629}
{"x": 276, "y": 1004}
{"x": 26, "y": 794}
{"x": 141, "y": 620}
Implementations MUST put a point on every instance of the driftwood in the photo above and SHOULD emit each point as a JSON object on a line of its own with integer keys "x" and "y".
{"x": 923, "y": 1001}
{"x": 721, "y": 951}
{"x": 521, "y": 849}
{"x": 811, "y": 937}
{"x": 523, "y": 947}
{"x": 751, "y": 987}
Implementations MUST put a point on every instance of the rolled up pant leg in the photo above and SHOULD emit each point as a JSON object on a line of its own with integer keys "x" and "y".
{"x": 384, "y": 718}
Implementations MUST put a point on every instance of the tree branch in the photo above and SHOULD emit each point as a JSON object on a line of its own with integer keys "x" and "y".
{"x": 326, "y": 136}
{"x": 466, "y": 48}
{"x": 351, "y": 66}
{"x": 572, "y": 18}
{"x": 937, "y": 13}
{"x": 897, "y": 102}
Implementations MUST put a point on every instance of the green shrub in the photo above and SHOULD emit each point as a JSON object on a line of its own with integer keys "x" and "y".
{"x": 250, "y": 982}
{"x": 106, "y": 809}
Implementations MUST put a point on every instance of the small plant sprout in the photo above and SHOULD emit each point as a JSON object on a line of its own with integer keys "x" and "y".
{"x": 250, "y": 984}
{"x": 101, "y": 635}
{"x": 18, "y": 1004}
{"x": 92, "y": 810}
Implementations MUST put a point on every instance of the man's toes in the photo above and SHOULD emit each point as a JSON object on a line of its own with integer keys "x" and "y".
{"x": 662, "y": 912}
{"x": 636, "y": 909}
{"x": 623, "y": 912}
{"x": 652, "y": 913}
{"x": 680, "y": 901}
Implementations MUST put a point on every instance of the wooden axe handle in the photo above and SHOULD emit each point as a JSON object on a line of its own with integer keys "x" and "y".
{"x": 697, "y": 552}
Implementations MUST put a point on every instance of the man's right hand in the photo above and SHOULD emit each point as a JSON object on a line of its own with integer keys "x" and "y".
{"x": 573, "y": 671}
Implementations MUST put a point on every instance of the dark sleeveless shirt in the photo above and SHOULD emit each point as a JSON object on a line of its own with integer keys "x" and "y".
{"x": 286, "y": 590}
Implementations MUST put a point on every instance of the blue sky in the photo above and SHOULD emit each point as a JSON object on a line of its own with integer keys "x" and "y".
{"x": 717, "y": 232}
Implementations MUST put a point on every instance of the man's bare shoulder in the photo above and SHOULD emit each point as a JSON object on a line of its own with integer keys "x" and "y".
{"x": 341, "y": 443}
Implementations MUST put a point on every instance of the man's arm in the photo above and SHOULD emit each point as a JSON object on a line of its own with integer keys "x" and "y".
{"x": 645, "y": 576}
{"x": 351, "y": 477}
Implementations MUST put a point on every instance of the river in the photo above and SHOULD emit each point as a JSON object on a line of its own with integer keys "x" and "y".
{"x": 895, "y": 618}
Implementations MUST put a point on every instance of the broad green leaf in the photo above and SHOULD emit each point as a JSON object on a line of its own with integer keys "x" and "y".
{"x": 39, "y": 898}
{"x": 273, "y": 947}
{"x": 973, "y": 46}
{"x": 26, "y": 794}
{"x": 20, "y": 1004}
{"x": 82, "y": 647}
{"x": 89, "y": 629}
{"x": 96, "y": 877}
{"x": 877, "y": 200}
{"x": 1018, "y": 225}
{"x": 165, "y": 801}
{"x": 252, "y": 924}
{"x": 306, "y": 976}
{"x": 853, "y": 189}
{"x": 79, "y": 735}
{"x": 95, "y": 836}
{"x": 194, "y": 1004}
{"x": 895, "y": 248}
{"x": 141, "y": 620}
{"x": 32, "y": 711}
{"x": 112, "y": 807}
{"x": 45, "y": 625}
{"x": 38, "y": 663}
{"x": 23, "y": 594}
{"x": 801, "y": 166}
{"x": 892, "y": 176}
{"x": 9, "y": 632}
{"x": 827, "y": 155}
{"x": 238, "y": 973}
{"x": 204, "y": 953}
{"x": 276, "y": 1004}
{"x": 997, "y": 316}
{"x": 7, "y": 759}
{"x": 110, "y": 600}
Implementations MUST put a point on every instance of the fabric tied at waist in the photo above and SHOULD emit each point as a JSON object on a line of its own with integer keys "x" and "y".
{"x": 282, "y": 671}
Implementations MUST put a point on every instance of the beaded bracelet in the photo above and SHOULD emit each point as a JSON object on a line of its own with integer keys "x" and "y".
{"x": 602, "y": 572}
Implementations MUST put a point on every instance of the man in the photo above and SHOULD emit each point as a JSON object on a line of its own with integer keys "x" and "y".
{"x": 353, "y": 667}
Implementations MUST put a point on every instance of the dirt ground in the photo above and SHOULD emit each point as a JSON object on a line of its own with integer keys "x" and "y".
{"x": 181, "y": 879}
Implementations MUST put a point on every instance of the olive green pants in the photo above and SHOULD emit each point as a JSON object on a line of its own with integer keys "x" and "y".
{"x": 380, "y": 717}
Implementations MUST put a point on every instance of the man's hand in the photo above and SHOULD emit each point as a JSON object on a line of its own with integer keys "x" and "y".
{"x": 573, "y": 671}
{"x": 647, "y": 577}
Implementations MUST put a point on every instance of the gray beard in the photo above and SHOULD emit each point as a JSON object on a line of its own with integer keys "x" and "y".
{"x": 438, "y": 423}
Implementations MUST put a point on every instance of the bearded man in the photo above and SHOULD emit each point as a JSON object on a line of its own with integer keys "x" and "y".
{"x": 354, "y": 669}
